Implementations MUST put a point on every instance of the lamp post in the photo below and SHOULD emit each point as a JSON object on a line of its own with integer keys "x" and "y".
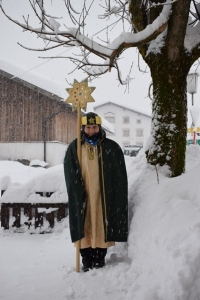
{"x": 192, "y": 81}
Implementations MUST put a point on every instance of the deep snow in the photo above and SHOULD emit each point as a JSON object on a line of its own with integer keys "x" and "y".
{"x": 161, "y": 260}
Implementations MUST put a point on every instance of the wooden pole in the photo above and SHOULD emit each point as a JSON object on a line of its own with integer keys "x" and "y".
{"x": 78, "y": 243}
{"x": 79, "y": 95}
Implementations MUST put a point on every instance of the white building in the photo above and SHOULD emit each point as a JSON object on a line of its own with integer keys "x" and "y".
{"x": 131, "y": 127}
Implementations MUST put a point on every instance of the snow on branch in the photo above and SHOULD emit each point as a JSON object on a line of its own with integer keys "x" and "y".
{"x": 153, "y": 4}
{"x": 72, "y": 37}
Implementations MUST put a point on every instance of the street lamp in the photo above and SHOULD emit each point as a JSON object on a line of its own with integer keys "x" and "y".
{"x": 192, "y": 81}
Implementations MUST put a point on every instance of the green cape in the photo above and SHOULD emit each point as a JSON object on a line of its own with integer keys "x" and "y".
{"x": 113, "y": 186}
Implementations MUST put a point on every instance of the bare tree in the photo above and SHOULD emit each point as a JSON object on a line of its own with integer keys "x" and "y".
{"x": 166, "y": 35}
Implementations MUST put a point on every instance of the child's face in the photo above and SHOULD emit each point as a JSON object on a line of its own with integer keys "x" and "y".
{"x": 91, "y": 129}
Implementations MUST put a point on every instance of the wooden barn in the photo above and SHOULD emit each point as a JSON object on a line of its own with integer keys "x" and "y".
{"x": 34, "y": 124}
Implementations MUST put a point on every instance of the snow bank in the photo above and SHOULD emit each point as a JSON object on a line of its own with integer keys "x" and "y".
{"x": 47, "y": 180}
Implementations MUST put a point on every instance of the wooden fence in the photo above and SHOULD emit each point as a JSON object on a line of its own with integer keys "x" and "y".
{"x": 32, "y": 215}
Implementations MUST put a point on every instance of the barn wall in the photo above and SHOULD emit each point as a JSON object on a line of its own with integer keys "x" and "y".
{"x": 26, "y": 109}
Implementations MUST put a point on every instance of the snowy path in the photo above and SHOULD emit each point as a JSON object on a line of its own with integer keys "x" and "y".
{"x": 41, "y": 266}
{"x": 164, "y": 246}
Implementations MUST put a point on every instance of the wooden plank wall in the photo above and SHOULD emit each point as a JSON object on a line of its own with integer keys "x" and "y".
{"x": 23, "y": 109}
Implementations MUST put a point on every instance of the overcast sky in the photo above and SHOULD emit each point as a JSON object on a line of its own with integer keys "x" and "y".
{"x": 52, "y": 74}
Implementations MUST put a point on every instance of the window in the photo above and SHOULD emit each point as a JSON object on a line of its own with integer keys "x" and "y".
{"x": 110, "y": 119}
{"x": 139, "y": 143}
{"x": 138, "y": 121}
{"x": 139, "y": 132}
{"x": 126, "y": 120}
{"x": 126, "y": 132}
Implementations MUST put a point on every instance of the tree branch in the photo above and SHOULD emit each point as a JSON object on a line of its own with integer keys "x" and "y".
{"x": 72, "y": 37}
{"x": 146, "y": 40}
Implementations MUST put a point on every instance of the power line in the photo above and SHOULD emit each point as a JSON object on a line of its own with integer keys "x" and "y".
{"x": 37, "y": 65}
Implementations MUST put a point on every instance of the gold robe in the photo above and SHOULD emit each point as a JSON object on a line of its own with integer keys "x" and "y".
{"x": 93, "y": 229}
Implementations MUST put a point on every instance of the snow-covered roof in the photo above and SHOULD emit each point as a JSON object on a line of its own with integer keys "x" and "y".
{"x": 122, "y": 106}
{"x": 32, "y": 86}
{"x": 107, "y": 125}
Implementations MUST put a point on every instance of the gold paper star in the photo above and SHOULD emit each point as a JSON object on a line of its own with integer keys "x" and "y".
{"x": 91, "y": 120}
{"x": 80, "y": 94}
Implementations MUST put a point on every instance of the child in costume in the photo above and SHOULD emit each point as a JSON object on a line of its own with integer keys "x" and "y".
{"x": 97, "y": 193}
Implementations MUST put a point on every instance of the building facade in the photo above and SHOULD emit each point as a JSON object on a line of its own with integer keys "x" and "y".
{"x": 131, "y": 127}
{"x": 34, "y": 124}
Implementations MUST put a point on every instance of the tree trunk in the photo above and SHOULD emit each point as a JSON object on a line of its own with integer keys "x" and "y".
{"x": 169, "y": 67}
{"x": 169, "y": 113}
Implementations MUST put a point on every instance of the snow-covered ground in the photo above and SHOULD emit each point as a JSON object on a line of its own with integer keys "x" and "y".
{"x": 161, "y": 260}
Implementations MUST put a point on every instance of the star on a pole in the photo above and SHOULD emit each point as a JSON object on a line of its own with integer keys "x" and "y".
{"x": 80, "y": 94}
